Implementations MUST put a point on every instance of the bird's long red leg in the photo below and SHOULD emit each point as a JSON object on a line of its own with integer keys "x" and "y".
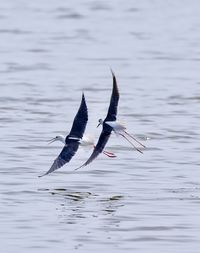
{"x": 109, "y": 154}
{"x": 131, "y": 143}
{"x": 135, "y": 139}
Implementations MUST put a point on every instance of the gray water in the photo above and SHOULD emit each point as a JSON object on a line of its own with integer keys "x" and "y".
{"x": 50, "y": 52}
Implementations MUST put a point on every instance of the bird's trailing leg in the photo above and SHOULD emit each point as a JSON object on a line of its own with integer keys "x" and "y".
{"x": 131, "y": 143}
{"x": 135, "y": 139}
{"x": 109, "y": 154}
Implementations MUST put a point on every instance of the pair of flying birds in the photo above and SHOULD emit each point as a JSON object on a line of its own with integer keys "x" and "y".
{"x": 75, "y": 137}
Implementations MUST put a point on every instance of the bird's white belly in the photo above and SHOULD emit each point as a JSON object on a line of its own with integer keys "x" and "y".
{"x": 116, "y": 125}
{"x": 87, "y": 140}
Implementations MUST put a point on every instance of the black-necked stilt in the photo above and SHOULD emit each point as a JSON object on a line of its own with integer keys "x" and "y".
{"x": 87, "y": 141}
{"x": 110, "y": 124}
{"x": 72, "y": 141}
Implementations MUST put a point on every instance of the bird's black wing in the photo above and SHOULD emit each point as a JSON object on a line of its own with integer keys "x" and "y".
{"x": 64, "y": 157}
{"x": 103, "y": 139}
{"x": 112, "y": 110}
{"x": 80, "y": 120}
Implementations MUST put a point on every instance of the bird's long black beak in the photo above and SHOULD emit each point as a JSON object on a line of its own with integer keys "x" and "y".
{"x": 98, "y": 124}
{"x": 51, "y": 141}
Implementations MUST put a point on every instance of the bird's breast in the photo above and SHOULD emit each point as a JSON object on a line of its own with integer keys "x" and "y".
{"x": 117, "y": 126}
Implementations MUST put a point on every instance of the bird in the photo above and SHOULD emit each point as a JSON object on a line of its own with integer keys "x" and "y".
{"x": 110, "y": 124}
{"x": 72, "y": 140}
{"x": 86, "y": 141}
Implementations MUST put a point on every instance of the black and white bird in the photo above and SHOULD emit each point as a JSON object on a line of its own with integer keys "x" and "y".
{"x": 72, "y": 141}
{"x": 87, "y": 141}
{"x": 110, "y": 124}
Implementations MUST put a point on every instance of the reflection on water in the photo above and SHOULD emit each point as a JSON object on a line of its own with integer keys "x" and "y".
{"x": 75, "y": 208}
{"x": 109, "y": 204}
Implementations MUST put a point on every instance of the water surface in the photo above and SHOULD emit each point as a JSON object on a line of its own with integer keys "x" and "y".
{"x": 51, "y": 51}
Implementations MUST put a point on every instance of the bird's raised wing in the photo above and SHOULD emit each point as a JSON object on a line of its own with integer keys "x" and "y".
{"x": 112, "y": 110}
{"x": 103, "y": 139}
{"x": 80, "y": 120}
{"x": 64, "y": 157}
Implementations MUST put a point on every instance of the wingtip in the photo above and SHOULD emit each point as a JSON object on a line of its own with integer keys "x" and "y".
{"x": 114, "y": 82}
{"x": 113, "y": 76}
{"x": 83, "y": 165}
{"x": 83, "y": 97}
{"x": 80, "y": 167}
{"x": 46, "y": 173}
{"x": 41, "y": 175}
{"x": 112, "y": 72}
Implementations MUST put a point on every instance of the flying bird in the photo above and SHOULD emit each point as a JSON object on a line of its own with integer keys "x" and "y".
{"x": 86, "y": 141}
{"x": 72, "y": 141}
{"x": 110, "y": 124}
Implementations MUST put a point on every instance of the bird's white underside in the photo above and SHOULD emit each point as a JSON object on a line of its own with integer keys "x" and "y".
{"x": 87, "y": 140}
{"x": 116, "y": 125}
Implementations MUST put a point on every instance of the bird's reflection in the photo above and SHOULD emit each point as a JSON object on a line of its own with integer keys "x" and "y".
{"x": 75, "y": 196}
{"x": 76, "y": 205}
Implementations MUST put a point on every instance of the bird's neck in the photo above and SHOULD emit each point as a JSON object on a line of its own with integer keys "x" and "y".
{"x": 62, "y": 139}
